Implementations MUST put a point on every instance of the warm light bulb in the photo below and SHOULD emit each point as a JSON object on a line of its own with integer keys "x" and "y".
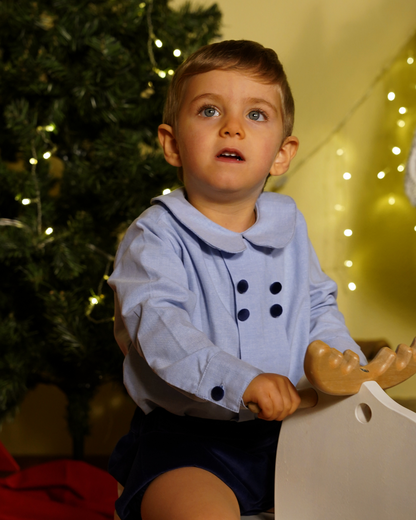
{"x": 392, "y": 201}
{"x": 171, "y": 72}
{"x": 162, "y": 73}
{"x": 352, "y": 286}
{"x": 347, "y": 176}
{"x": 347, "y": 232}
{"x": 49, "y": 231}
{"x": 391, "y": 96}
{"x": 400, "y": 168}
{"x": 396, "y": 150}
{"x": 33, "y": 161}
{"x": 50, "y": 128}
{"x": 381, "y": 175}
{"x": 165, "y": 192}
{"x": 47, "y": 155}
{"x": 410, "y": 60}
{"x": 348, "y": 263}
{"x": 25, "y": 202}
{"x": 158, "y": 43}
{"x": 401, "y": 123}
{"x": 94, "y": 300}
{"x": 402, "y": 110}
{"x": 177, "y": 53}
{"x": 340, "y": 151}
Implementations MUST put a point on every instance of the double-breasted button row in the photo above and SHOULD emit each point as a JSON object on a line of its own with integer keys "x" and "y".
{"x": 275, "y": 310}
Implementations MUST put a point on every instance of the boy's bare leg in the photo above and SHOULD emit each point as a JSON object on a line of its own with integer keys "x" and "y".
{"x": 189, "y": 494}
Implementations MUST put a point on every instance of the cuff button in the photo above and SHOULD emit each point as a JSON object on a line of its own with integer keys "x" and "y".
{"x": 217, "y": 393}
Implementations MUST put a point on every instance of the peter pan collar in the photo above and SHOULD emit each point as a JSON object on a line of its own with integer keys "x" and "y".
{"x": 274, "y": 226}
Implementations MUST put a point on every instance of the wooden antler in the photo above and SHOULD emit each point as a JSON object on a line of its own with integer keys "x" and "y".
{"x": 340, "y": 374}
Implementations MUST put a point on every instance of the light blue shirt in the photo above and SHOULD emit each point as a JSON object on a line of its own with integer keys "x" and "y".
{"x": 201, "y": 310}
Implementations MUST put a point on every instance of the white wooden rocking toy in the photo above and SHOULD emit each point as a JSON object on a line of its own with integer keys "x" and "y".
{"x": 349, "y": 452}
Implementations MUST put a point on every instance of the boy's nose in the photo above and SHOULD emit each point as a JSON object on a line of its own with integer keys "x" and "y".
{"x": 232, "y": 127}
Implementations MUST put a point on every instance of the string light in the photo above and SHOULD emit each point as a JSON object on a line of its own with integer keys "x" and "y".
{"x": 177, "y": 53}
{"x": 402, "y": 110}
{"x": 171, "y": 72}
{"x": 340, "y": 152}
{"x": 392, "y": 201}
{"x": 47, "y": 155}
{"x": 347, "y": 232}
{"x": 352, "y": 286}
{"x": 381, "y": 175}
{"x": 165, "y": 192}
{"x": 25, "y": 202}
{"x": 50, "y": 128}
{"x": 33, "y": 161}
{"x": 391, "y": 96}
{"x": 142, "y": 5}
{"x": 158, "y": 43}
{"x": 347, "y": 176}
{"x": 410, "y": 60}
{"x": 400, "y": 168}
{"x": 348, "y": 263}
{"x": 339, "y": 207}
{"x": 162, "y": 73}
{"x": 396, "y": 150}
{"x": 49, "y": 231}
{"x": 401, "y": 123}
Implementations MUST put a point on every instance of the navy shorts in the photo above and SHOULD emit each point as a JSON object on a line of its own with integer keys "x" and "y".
{"x": 241, "y": 454}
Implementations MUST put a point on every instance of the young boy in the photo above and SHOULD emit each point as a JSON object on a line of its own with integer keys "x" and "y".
{"x": 218, "y": 293}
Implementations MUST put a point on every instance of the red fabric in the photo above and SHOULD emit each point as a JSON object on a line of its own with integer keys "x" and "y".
{"x": 7, "y": 462}
{"x": 59, "y": 490}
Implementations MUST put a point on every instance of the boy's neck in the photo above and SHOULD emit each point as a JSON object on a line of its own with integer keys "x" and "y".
{"x": 236, "y": 216}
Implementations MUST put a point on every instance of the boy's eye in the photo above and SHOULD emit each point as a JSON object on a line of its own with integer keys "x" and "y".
{"x": 209, "y": 112}
{"x": 256, "y": 115}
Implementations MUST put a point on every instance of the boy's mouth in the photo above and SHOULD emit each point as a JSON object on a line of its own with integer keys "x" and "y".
{"x": 230, "y": 155}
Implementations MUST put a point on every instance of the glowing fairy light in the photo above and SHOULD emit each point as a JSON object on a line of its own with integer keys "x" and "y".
{"x": 171, "y": 72}
{"x": 33, "y": 161}
{"x": 177, "y": 53}
{"x": 162, "y": 74}
{"x": 47, "y": 155}
{"x": 400, "y": 168}
{"x": 410, "y": 60}
{"x": 391, "y": 96}
{"x": 93, "y": 300}
{"x": 339, "y": 207}
{"x": 402, "y": 110}
{"x": 401, "y": 123}
{"x": 25, "y": 202}
{"x": 347, "y": 232}
{"x": 348, "y": 263}
{"x": 347, "y": 176}
{"x": 352, "y": 286}
{"x": 50, "y": 128}
{"x": 340, "y": 152}
{"x": 49, "y": 231}
{"x": 392, "y": 201}
{"x": 396, "y": 150}
{"x": 381, "y": 175}
{"x": 158, "y": 43}
{"x": 142, "y": 5}
{"x": 165, "y": 192}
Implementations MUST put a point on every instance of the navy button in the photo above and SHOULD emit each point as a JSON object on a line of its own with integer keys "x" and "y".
{"x": 243, "y": 314}
{"x": 275, "y": 288}
{"x": 242, "y": 286}
{"x": 217, "y": 393}
{"x": 276, "y": 310}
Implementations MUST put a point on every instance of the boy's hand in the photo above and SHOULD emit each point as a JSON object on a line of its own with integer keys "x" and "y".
{"x": 274, "y": 394}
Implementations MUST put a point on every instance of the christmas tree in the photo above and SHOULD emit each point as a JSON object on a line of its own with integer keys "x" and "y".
{"x": 81, "y": 95}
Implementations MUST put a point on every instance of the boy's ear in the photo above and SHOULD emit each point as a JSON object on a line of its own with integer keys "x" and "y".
{"x": 170, "y": 147}
{"x": 285, "y": 155}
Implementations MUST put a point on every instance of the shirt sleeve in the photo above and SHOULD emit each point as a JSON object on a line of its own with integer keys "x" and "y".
{"x": 155, "y": 306}
{"x": 327, "y": 322}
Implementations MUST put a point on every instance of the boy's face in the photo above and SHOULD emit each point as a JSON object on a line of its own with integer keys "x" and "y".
{"x": 228, "y": 136}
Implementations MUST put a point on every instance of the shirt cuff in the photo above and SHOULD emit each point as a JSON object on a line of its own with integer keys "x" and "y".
{"x": 225, "y": 380}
